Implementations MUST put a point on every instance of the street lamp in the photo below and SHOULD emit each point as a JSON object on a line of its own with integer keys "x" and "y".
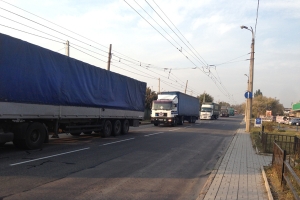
{"x": 250, "y": 82}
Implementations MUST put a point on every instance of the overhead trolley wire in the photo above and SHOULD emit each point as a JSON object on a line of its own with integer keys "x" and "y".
{"x": 177, "y": 29}
{"x": 174, "y": 32}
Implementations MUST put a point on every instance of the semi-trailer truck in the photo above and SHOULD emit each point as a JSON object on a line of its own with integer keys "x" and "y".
{"x": 44, "y": 92}
{"x": 210, "y": 110}
{"x": 231, "y": 111}
{"x": 224, "y": 111}
{"x": 173, "y": 108}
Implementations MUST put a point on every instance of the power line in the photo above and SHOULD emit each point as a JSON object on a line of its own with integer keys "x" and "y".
{"x": 32, "y": 28}
{"x": 51, "y": 29}
{"x": 205, "y": 63}
{"x": 31, "y": 33}
{"x": 256, "y": 18}
{"x": 66, "y": 29}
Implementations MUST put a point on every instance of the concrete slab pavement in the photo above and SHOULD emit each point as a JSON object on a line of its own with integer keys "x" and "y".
{"x": 238, "y": 174}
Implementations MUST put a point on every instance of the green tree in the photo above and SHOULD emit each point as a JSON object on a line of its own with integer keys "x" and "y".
{"x": 240, "y": 108}
{"x": 150, "y": 96}
{"x": 208, "y": 98}
{"x": 261, "y": 104}
{"x": 223, "y": 103}
{"x": 258, "y": 93}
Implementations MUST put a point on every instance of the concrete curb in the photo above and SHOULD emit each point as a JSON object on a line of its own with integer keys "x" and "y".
{"x": 267, "y": 184}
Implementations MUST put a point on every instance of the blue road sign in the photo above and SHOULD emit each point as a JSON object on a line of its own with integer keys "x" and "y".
{"x": 248, "y": 95}
{"x": 257, "y": 122}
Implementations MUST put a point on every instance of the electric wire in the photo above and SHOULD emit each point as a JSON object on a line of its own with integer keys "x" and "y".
{"x": 64, "y": 28}
{"x": 174, "y": 31}
{"x": 31, "y": 33}
{"x": 51, "y": 29}
{"x": 32, "y": 28}
{"x": 256, "y": 18}
{"x": 178, "y": 30}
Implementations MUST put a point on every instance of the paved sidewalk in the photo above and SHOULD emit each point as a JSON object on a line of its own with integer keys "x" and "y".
{"x": 239, "y": 175}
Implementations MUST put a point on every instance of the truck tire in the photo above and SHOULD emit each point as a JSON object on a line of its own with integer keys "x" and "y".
{"x": 125, "y": 127}
{"x": 181, "y": 121}
{"x": 174, "y": 122}
{"x": 155, "y": 124}
{"x": 107, "y": 128}
{"x": 117, "y": 128}
{"x": 35, "y": 136}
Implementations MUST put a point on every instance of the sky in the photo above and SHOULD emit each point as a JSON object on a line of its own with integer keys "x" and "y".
{"x": 191, "y": 46}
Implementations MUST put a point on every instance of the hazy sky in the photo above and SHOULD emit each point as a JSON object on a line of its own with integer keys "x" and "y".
{"x": 194, "y": 42}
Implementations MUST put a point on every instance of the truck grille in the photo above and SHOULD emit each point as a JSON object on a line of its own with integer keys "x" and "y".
{"x": 160, "y": 114}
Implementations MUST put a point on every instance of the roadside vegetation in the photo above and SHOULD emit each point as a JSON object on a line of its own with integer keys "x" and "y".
{"x": 279, "y": 191}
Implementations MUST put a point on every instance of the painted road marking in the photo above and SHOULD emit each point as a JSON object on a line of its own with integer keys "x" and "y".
{"x": 49, "y": 156}
{"x": 153, "y": 134}
{"x": 174, "y": 129}
{"x": 116, "y": 142}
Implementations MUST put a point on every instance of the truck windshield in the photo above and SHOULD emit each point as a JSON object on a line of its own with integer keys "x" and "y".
{"x": 205, "y": 109}
{"x": 162, "y": 105}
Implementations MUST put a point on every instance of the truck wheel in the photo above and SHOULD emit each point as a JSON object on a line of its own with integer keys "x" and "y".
{"x": 174, "y": 122}
{"x": 35, "y": 136}
{"x": 193, "y": 120}
{"x": 117, "y": 126}
{"x": 181, "y": 121}
{"x": 155, "y": 124}
{"x": 125, "y": 127}
{"x": 106, "y": 132}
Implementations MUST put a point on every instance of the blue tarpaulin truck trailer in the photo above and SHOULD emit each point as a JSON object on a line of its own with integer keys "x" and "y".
{"x": 172, "y": 108}
{"x": 42, "y": 91}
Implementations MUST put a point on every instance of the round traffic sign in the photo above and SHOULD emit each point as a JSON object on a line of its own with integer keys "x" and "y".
{"x": 248, "y": 95}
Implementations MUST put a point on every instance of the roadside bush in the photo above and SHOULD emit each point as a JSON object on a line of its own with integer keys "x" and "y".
{"x": 269, "y": 126}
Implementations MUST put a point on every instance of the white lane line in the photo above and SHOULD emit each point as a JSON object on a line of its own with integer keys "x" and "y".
{"x": 175, "y": 129}
{"x": 49, "y": 156}
{"x": 153, "y": 134}
{"x": 117, "y": 142}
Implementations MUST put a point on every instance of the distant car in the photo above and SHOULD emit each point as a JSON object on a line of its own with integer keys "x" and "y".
{"x": 295, "y": 121}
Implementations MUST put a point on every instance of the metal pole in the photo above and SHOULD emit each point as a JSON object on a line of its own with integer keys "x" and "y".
{"x": 109, "y": 58}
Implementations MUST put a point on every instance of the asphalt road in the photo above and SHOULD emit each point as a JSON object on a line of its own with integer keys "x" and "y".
{"x": 148, "y": 163}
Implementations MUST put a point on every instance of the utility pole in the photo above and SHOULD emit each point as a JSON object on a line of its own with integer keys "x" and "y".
{"x": 186, "y": 86}
{"x": 67, "y": 49}
{"x": 158, "y": 85}
{"x": 109, "y": 58}
{"x": 250, "y": 84}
